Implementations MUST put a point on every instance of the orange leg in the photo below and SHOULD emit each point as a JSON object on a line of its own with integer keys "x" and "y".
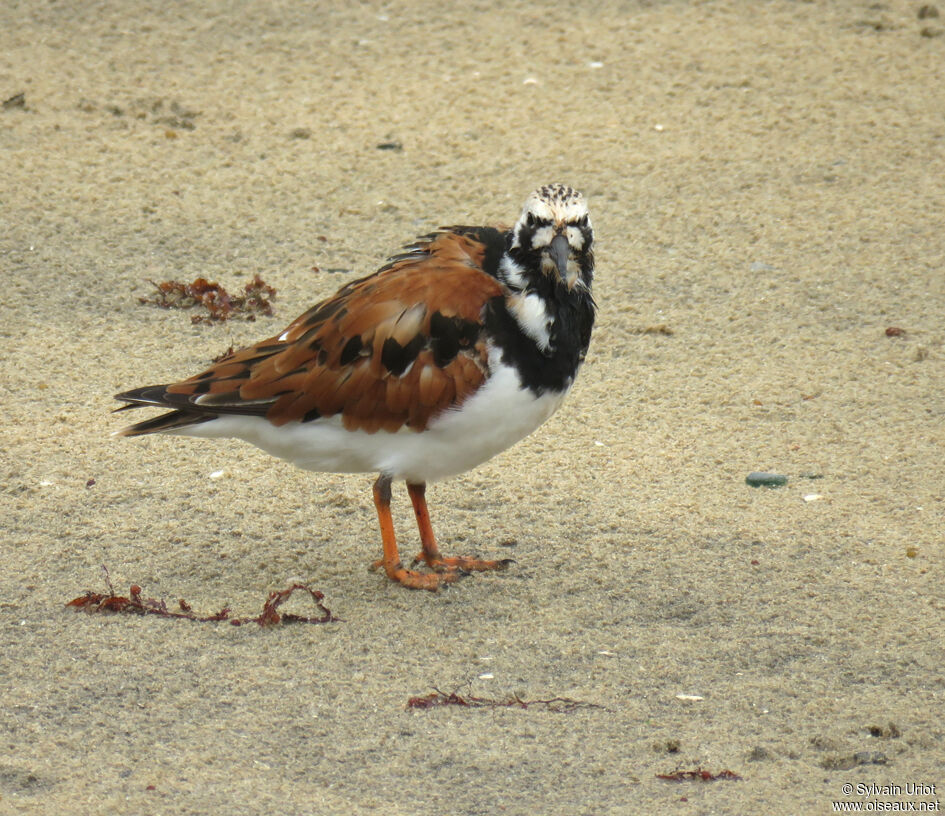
{"x": 431, "y": 552}
{"x": 391, "y": 561}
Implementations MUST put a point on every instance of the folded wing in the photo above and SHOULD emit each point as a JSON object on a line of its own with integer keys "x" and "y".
{"x": 389, "y": 351}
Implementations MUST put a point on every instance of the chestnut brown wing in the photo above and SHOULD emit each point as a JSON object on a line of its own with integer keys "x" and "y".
{"x": 391, "y": 350}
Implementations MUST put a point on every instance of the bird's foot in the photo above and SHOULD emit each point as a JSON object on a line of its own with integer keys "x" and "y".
{"x": 411, "y": 579}
{"x": 460, "y": 563}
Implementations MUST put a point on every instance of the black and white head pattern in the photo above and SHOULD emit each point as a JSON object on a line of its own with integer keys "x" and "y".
{"x": 549, "y": 212}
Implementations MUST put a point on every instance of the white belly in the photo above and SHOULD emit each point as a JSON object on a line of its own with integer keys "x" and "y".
{"x": 496, "y": 417}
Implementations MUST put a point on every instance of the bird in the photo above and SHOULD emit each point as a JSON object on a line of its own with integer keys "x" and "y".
{"x": 455, "y": 349}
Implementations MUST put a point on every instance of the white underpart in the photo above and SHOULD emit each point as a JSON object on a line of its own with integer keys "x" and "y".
{"x": 532, "y": 317}
{"x": 498, "y": 415}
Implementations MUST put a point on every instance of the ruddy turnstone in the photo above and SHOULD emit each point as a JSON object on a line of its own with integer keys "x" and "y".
{"x": 451, "y": 352}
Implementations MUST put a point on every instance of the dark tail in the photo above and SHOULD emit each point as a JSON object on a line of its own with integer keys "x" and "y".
{"x": 154, "y": 395}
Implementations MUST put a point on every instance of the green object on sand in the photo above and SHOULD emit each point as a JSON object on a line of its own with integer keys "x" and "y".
{"x": 761, "y": 478}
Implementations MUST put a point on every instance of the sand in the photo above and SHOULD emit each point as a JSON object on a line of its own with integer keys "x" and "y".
{"x": 765, "y": 181}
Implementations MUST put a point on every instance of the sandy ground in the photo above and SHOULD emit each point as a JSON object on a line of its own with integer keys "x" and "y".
{"x": 765, "y": 180}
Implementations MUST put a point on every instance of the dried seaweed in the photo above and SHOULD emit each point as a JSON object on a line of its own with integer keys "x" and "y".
{"x": 698, "y": 775}
{"x": 136, "y": 604}
{"x": 220, "y": 305}
{"x": 438, "y": 698}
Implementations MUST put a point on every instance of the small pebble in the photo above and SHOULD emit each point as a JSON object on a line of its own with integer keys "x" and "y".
{"x": 760, "y": 478}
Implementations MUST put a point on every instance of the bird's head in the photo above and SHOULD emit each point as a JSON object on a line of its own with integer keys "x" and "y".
{"x": 554, "y": 234}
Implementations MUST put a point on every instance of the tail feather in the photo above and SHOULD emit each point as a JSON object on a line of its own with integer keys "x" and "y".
{"x": 149, "y": 395}
{"x": 164, "y": 422}
{"x": 155, "y": 396}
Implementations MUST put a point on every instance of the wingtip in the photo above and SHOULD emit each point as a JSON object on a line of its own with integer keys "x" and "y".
{"x": 170, "y": 421}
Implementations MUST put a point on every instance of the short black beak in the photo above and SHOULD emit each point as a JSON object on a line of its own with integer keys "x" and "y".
{"x": 560, "y": 249}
